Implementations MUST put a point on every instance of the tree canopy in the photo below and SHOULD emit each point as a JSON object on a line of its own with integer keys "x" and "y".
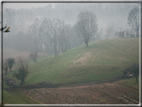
{"x": 86, "y": 25}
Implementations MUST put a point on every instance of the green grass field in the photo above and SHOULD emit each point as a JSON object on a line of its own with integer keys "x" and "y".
{"x": 17, "y": 98}
{"x": 102, "y": 60}
{"x": 130, "y": 82}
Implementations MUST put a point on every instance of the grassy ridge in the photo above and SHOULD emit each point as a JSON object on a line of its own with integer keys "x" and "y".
{"x": 100, "y": 61}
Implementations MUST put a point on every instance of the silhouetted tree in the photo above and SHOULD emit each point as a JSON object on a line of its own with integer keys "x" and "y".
{"x": 45, "y": 35}
{"x": 134, "y": 70}
{"x": 10, "y": 62}
{"x": 64, "y": 37}
{"x": 22, "y": 71}
{"x": 86, "y": 25}
{"x": 133, "y": 20}
{"x": 54, "y": 27}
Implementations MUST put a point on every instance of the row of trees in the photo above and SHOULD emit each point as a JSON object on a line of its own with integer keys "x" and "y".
{"x": 54, "y": 35}
{"x": 19, "y": 19}
{"x": 9, "y": 62}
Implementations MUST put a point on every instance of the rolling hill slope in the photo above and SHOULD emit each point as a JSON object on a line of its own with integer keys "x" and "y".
{"x": 102, "y": 60}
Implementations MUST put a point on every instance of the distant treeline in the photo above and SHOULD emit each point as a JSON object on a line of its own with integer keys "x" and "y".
{"x": 54, "y": 30}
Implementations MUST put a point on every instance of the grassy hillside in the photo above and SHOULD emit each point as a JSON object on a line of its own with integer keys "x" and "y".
{"x": 102, "y": 60}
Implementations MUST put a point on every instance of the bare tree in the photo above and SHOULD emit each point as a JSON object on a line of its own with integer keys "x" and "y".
{"x": 133, "y": 20}
{"x": 33, "y": 31}
{"x": 54, "y": 27}
{"x": 22, "y": 71}
{"x": 64, "y": 37}
{"x": 45, "y": 36}
{"x": 86, "y": 25}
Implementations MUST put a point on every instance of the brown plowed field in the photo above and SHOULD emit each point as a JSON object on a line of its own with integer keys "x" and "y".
{"x": 105, "y": 93}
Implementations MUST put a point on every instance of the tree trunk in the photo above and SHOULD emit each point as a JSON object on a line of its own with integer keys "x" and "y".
{"x": 137, "y": 33}
{"x": 87, "y": 44}
{"x": 22, "y": 81}
{"x": 55, "y": 48}
{"x": 10, "y": 69}
{"x": 136, "y": 79}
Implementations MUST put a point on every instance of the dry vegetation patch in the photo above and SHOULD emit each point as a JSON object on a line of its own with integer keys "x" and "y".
{"x": 105, "y": 93}
{"x": 81, "y": 61}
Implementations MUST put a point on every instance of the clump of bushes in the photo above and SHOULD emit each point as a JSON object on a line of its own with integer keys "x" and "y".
{"x": 8, "y": 63}
{"x": 133, "y": 70}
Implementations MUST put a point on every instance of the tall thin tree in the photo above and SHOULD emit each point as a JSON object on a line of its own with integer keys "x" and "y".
{"x": 133, "y": 20}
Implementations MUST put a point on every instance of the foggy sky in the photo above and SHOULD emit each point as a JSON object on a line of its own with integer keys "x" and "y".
{"x": 103, "y": 22}
{"x": 25, "y": 5}
{"x": 36, "y": 5}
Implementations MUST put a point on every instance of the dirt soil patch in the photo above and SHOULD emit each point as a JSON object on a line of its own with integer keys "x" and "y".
{"x": 104, "y": 93}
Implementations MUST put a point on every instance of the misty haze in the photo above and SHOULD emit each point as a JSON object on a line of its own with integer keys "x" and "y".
{"x": 71, "y": 53}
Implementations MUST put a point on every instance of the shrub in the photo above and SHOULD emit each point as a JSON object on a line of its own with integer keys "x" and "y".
{"x": 33, "y": 56}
